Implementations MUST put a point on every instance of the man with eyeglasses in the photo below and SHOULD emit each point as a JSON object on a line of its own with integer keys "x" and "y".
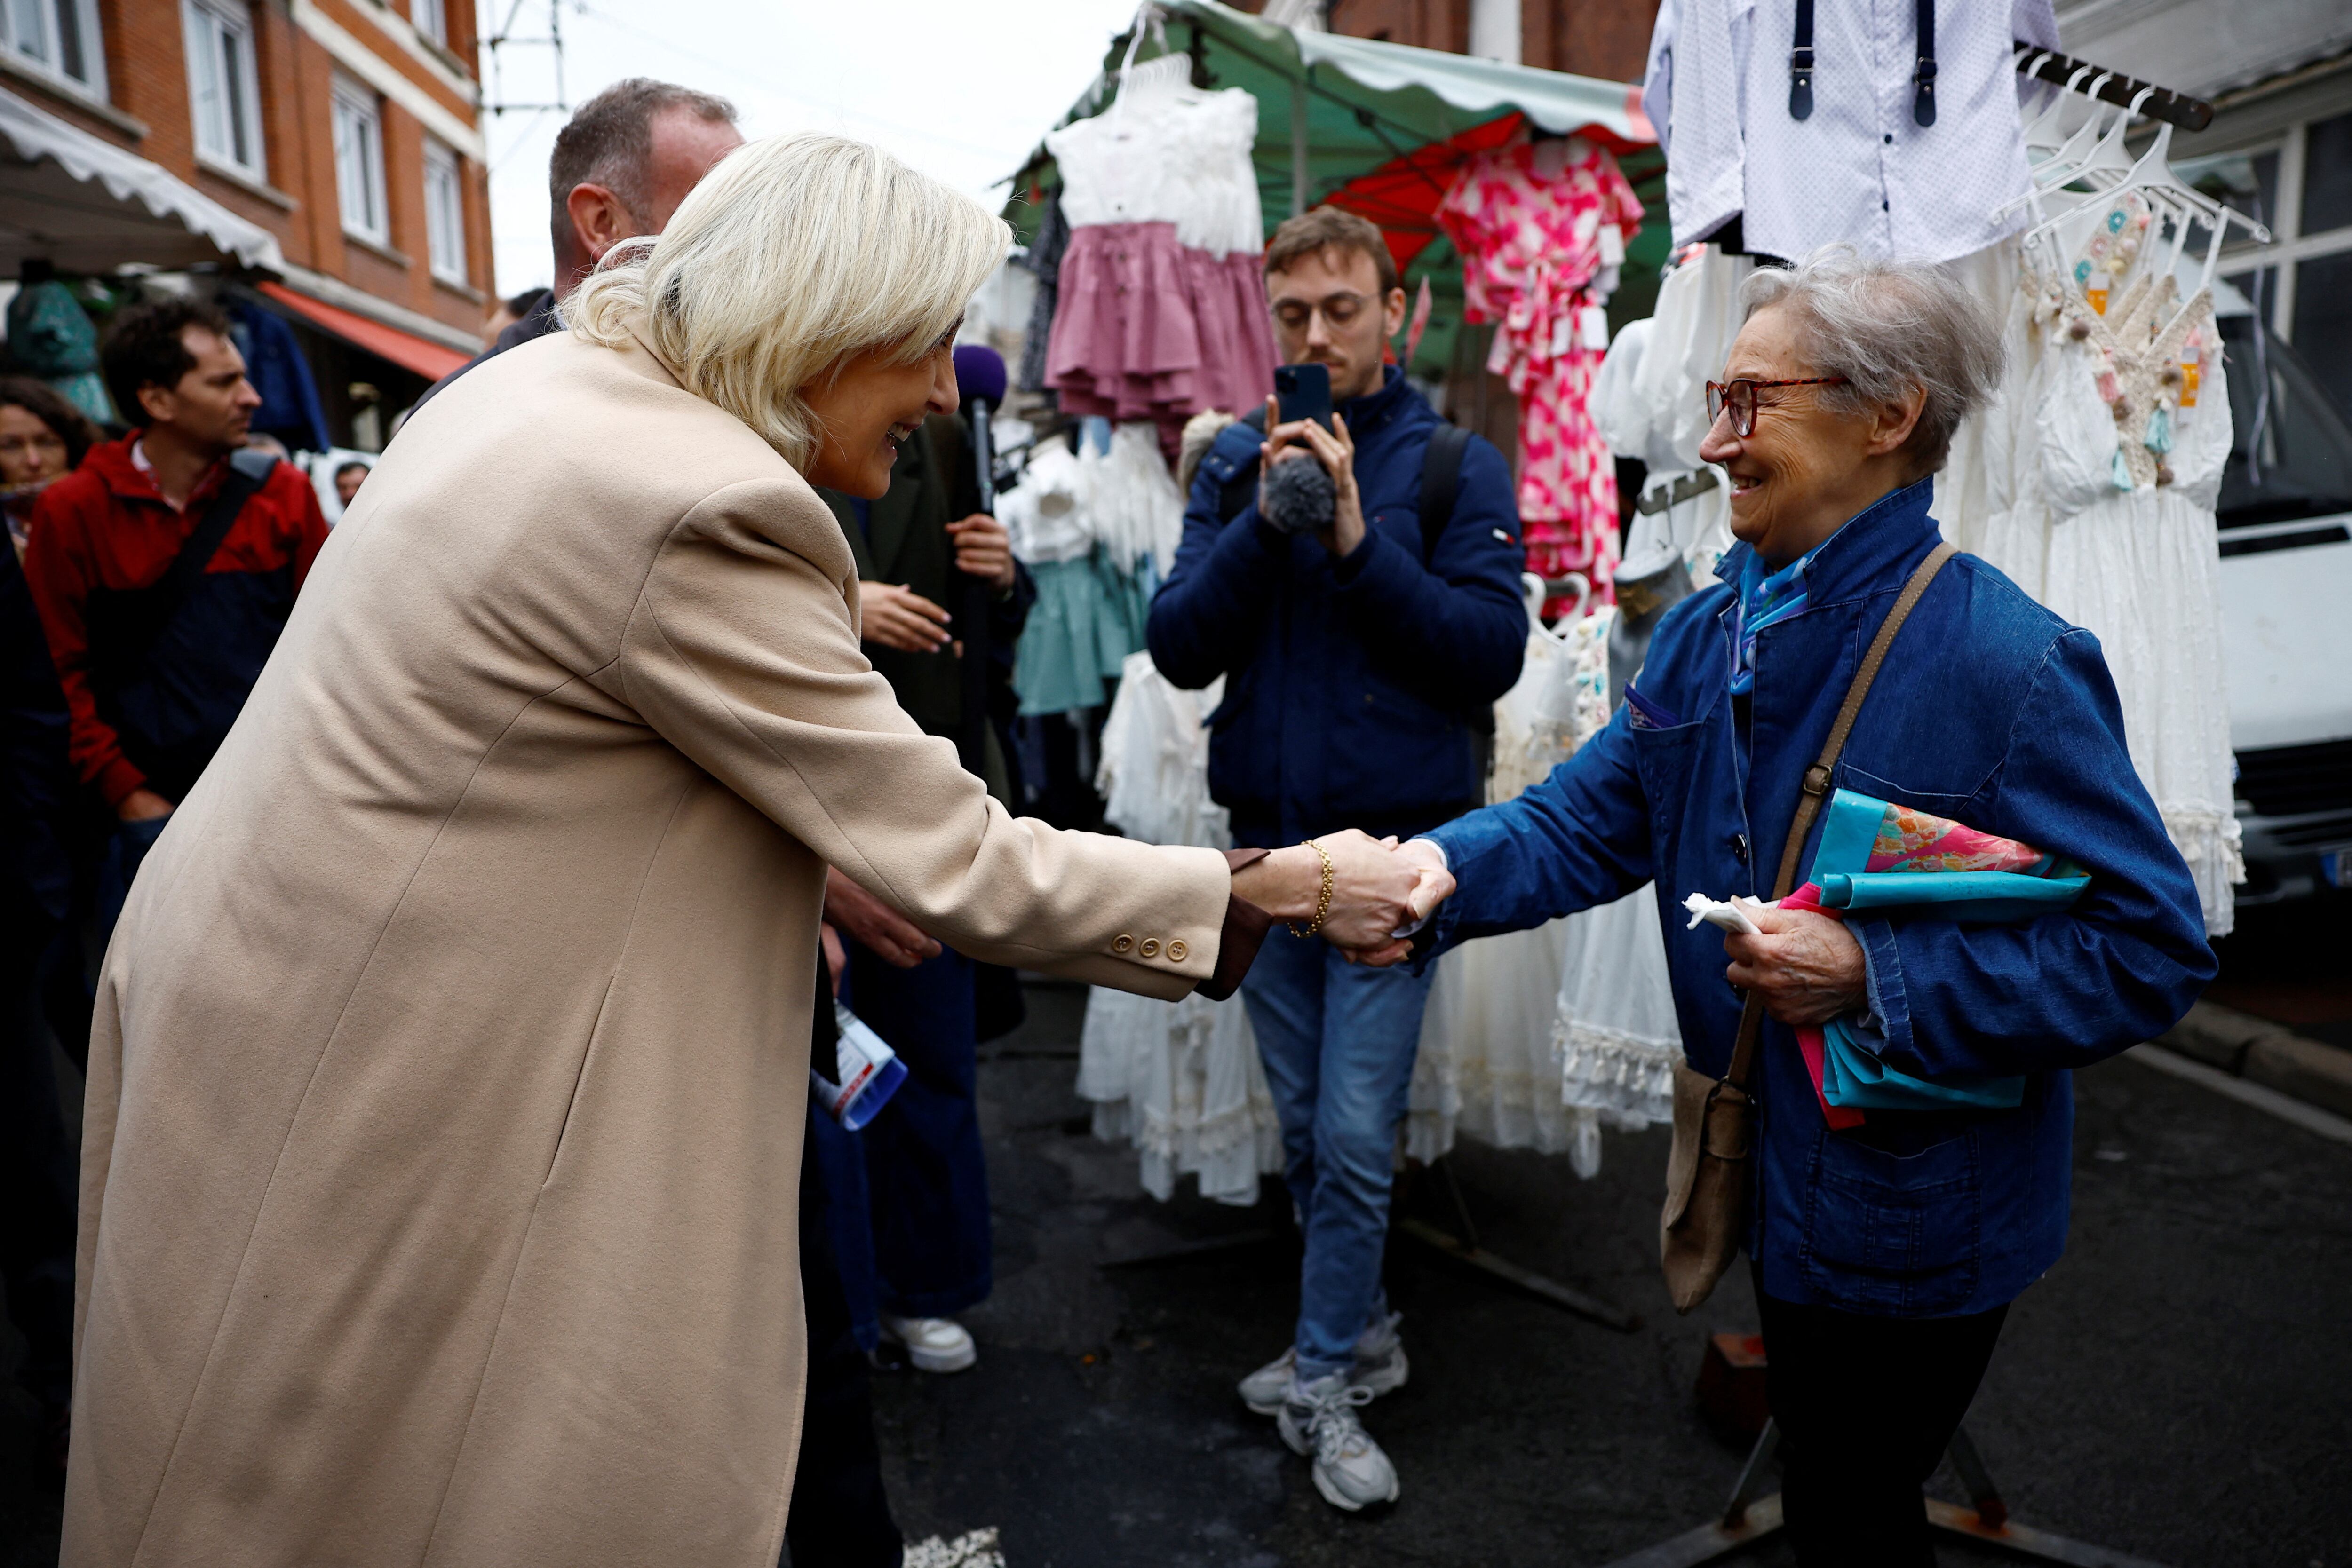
{"x": 1361, "y": 664}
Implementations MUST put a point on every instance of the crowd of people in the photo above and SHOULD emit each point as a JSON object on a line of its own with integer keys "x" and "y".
{"x": 471, "y": 886}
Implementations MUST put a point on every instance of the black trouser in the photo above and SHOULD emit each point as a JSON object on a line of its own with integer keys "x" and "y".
{"x": 840, "y": 1516}
{"x": 37, "y": 1174}
{"x": 1865, "y": 1407}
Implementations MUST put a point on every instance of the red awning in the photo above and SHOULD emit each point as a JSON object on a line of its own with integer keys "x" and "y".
{"x": 427, "y": 358}
{"x": 1402, "y": 195}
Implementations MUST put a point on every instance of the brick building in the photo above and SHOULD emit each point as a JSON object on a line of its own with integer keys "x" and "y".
{"x": 323, "y": 158}
{"x": 1605, "y": 38}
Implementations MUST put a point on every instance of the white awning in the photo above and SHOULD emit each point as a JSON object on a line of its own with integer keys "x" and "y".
{"x": 86, "y": 205}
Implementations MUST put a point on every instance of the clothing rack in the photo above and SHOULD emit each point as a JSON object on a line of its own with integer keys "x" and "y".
{"x": 1752, "y": 1516}
{"x": 2112, "y": 86}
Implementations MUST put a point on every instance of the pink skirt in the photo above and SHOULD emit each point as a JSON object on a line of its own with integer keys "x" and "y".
{"x": 1148, "y": 329}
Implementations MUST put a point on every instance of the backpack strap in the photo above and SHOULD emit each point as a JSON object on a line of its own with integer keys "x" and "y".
{"x": 1441, "y": 478}
{"x": 248, "y": 471}
{"x": 1815, "y": 786}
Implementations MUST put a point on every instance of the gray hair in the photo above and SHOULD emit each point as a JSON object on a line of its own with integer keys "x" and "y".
{"x": 609, "y": 139}
{"x": 1886, "y": 327}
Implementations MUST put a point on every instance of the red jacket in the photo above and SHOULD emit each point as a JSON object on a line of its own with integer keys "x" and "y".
{"x": 105, "y": 526}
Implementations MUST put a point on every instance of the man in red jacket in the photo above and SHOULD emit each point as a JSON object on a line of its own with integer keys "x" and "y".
{"x": 163, "y": 568}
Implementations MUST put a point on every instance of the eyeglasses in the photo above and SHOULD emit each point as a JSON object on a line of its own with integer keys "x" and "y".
{"x": 1739, "y": 397}
{"x": 1339, "y": 310}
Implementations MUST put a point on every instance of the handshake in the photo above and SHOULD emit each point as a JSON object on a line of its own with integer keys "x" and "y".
{"x": 1379, "y": 888}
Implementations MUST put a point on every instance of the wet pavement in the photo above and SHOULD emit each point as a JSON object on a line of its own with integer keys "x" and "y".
{"x": 2180, "y": 1387}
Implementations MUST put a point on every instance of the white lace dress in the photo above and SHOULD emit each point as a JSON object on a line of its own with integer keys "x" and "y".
{"x": 1180, "y": 157}
{"x": 1181, "y": 1080}
{"x": 1537, "y": 1040}
{"x": 2133, "y": 551}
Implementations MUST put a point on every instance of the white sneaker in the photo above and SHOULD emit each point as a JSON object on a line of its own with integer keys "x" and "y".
{"x": 933, "y": 1344}
{"x": 1379, "y": 1366}
{"x": 1318, "y": 1419}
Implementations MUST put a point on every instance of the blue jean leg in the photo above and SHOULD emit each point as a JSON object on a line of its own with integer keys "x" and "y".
{"x": 1337, "y": 1041}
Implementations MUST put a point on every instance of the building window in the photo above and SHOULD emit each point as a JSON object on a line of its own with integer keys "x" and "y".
{"x": 430, "y": 19}
{"x": 223, "y": 89}
{"x": 444, "y": 211}
{"x": 60, "y": 37}
{"x": 359, "y": 160}
{"x": 2301, "y": 185}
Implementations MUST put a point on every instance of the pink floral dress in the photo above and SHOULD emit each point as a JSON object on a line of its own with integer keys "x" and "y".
{"x": 1535, "y": 261}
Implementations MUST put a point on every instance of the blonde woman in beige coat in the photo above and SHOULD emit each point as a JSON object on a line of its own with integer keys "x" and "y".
{"x": 446, "y": 1090}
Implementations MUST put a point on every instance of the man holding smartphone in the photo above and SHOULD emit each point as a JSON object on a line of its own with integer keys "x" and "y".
{"x": 1363, "y": 649}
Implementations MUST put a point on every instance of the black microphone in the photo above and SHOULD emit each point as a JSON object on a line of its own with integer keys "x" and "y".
{"x": 980, "y": 383}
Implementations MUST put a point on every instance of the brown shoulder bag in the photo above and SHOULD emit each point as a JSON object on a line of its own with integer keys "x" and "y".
{"x": 1706, "y": 1175}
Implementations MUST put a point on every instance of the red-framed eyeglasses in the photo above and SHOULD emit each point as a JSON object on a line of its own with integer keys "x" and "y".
{"x": 1739, "y": 397}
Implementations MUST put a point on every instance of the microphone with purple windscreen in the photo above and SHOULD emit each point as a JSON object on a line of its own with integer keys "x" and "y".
{"x": 980, "y": 382}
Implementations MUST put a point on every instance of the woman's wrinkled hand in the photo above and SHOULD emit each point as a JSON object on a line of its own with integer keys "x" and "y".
{"x": 898, "y": 617}
{"x": 1807, "y": 967}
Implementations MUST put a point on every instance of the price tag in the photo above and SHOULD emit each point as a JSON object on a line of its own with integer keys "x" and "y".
{"x": 1612, "y": 246}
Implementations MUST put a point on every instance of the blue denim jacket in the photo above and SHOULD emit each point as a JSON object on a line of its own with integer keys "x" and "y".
{"x": 1989, "y": 710}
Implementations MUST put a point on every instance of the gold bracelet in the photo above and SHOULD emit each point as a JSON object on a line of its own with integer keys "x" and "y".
{"x": 1322, "y": 904}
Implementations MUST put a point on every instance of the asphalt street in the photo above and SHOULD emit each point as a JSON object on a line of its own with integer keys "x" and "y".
{"x": 2179, "y": 1388}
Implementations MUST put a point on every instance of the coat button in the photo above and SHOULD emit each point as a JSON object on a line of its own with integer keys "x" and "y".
{"x": 1123, "y": 944}
{"x": 1151, "y": 948}
{"x": 1176, "y": 951}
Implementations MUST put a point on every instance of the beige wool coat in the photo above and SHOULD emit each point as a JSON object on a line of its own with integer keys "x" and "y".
{"x": 446, "y": 1092}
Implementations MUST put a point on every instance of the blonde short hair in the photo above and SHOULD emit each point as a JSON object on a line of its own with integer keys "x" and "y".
{"x": 792, "y": 255}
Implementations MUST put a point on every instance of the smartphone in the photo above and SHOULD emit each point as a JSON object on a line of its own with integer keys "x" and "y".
{"x": 1304, "y": 392}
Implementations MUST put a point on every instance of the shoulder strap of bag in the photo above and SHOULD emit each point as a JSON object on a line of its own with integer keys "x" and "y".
{"x": 248, "y": 471}
{"x": 1441, "y": 477}
{"x": 1816, "y": 785}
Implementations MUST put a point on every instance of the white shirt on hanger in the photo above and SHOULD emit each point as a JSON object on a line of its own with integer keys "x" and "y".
{"x": 1858, "y": 168}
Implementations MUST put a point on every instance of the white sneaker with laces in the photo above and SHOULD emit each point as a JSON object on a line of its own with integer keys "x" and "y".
{"x": 1379, "y": 1366}
{"x": 933, "y": 1344}
{"x": 1318, "y": 1419}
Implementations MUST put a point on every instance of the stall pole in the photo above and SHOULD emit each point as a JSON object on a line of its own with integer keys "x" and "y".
{"x": 1297, "y": 147}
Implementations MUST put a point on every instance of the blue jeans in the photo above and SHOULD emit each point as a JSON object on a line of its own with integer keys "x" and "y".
{"x": 1337, "y": 1040}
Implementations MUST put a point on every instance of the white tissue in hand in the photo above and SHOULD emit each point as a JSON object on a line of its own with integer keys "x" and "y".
{"x": 1722, "y": 912}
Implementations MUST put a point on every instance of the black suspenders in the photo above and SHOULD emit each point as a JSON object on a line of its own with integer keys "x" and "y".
{"x": 1923, "y": 97}
{"x": 1800, "y": 65}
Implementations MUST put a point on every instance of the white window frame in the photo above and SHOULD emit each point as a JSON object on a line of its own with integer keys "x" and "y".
{"x": 2289, "y": 245}
{"x": 445, "y": 211}
{"x": 224, "y": 92}
{"x": 44, "y": 53}
{"x": 431, "y": 18}
{"x": 359, "y": 160}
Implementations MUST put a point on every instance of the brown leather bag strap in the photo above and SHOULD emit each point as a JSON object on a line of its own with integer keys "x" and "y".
{"x": 1815, "y": 786}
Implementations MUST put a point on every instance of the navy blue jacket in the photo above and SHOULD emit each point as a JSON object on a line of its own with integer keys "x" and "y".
{"x": 1989, "y": 710}
{"x": 1353, "y": 683}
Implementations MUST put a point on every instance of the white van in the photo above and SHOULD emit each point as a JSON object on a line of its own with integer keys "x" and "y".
{"x": 2285, "y": 517}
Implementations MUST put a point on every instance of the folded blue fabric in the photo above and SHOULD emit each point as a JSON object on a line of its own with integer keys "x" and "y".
{"x": 1881, "y": 859}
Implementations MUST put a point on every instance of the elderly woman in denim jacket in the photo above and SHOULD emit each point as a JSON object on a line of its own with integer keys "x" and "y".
{"x": 1885, "y": 1256}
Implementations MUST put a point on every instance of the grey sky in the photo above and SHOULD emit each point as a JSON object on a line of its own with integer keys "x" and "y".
{"x": 961, "y": 90}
